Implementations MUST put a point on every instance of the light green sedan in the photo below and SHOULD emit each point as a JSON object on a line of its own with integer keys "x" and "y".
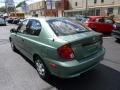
{"x": 58, "y": 46}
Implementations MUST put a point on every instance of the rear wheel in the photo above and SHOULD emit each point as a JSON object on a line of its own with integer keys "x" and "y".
{"x": 41, "y": 68}
{"x": 117, "y": 39}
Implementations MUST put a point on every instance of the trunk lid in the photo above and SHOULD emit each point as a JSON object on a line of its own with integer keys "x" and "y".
{"x": 84, "y": 44}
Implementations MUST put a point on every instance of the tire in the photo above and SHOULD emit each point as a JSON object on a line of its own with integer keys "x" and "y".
{"x": 13, "y": 46}
{"x": 41, "y": 68}
{"x": 118, "y": 40}
{"x": 94, "y": 29}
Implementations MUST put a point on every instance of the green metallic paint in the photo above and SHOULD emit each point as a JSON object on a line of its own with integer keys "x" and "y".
{"x": 46, "y": 44}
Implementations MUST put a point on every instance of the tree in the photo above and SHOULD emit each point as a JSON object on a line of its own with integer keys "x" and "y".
{"x": 20, "y": 4}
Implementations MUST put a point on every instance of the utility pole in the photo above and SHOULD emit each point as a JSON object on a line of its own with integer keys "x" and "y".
{"x": 86, "y": 12}
{"x": 44, "y": 8}
{"x": 94, "y": 8}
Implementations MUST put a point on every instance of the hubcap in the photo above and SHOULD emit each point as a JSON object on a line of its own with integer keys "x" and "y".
{"x": 40, "y": 67}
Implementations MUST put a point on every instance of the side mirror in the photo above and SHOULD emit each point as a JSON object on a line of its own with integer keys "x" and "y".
{"x": 13, "y": 30}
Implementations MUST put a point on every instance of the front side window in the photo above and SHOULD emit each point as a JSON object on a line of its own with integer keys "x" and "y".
{"x": 31, "y": 27}
{"x": 22, "y": 26}
{"x": 66, "y": 27}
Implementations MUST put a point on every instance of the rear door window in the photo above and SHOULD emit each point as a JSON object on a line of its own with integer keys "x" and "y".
{"x": 35, "y": 28}
{"x": 66, "y": 27}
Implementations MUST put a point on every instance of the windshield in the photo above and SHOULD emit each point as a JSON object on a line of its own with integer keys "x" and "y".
{"x": 66, "y": 27}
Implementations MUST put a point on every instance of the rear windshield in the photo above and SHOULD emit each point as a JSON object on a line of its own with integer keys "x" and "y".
{"x": 85, "y": 19}
{"x": 64, "y": 27}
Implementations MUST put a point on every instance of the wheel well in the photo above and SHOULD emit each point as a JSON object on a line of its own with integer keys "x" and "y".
{"x": 10, "y": 39}
{"x": 34, "y": 56}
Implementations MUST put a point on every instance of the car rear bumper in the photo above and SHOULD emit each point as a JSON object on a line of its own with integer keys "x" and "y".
{"x": 74, "y": 68}
{"x": 116, "y": 34}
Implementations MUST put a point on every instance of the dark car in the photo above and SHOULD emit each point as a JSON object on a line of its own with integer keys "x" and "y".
{"x": 10, "y": 20}
{"x": 16, "y": 21}
{"x": 116, "y": 31}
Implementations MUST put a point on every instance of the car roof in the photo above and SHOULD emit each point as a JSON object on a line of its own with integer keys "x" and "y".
{"x": 45, "y": 18}
{"x": 95, "y": 16}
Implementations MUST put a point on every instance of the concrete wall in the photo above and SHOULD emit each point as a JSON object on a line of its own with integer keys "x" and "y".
{"x": 102, "y": 6}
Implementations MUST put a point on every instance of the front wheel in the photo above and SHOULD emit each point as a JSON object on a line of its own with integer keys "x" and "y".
{"x": 13, "y": 46}
{"x": 41, "y": 68}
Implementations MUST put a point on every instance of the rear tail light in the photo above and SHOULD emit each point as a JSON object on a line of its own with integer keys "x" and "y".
{"x": 65, "y": 52}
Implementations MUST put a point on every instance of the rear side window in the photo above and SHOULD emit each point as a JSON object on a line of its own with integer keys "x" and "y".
{"x": 66, "y": 27}
{"x": 35, "y": 28}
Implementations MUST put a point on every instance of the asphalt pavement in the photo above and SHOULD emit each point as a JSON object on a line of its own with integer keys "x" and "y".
{"x": 18, "y": 73}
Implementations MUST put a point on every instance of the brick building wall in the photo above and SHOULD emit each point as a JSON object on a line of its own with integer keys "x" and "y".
{"x": 60, "y": 6}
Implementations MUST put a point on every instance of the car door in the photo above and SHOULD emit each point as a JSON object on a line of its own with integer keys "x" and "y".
{"x": 103, "y": 25}
{"x": 19, "y": 39}
{"x": 31, "y": 37}
{"x": 108, "y": 24}
{"x": 99, "y": 24}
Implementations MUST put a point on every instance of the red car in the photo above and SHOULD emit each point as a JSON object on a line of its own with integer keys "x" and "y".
{"x": 99, "y": 23}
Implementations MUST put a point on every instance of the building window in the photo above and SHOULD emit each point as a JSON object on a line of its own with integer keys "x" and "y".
{"x": 97, "y": 12}
{"x": 119, "y": 10}
{"x": 75, "y": 3}
{"x": 95, "y": 1}
{"x": 110, "y": 10}
{"x": 102, "y": 1}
